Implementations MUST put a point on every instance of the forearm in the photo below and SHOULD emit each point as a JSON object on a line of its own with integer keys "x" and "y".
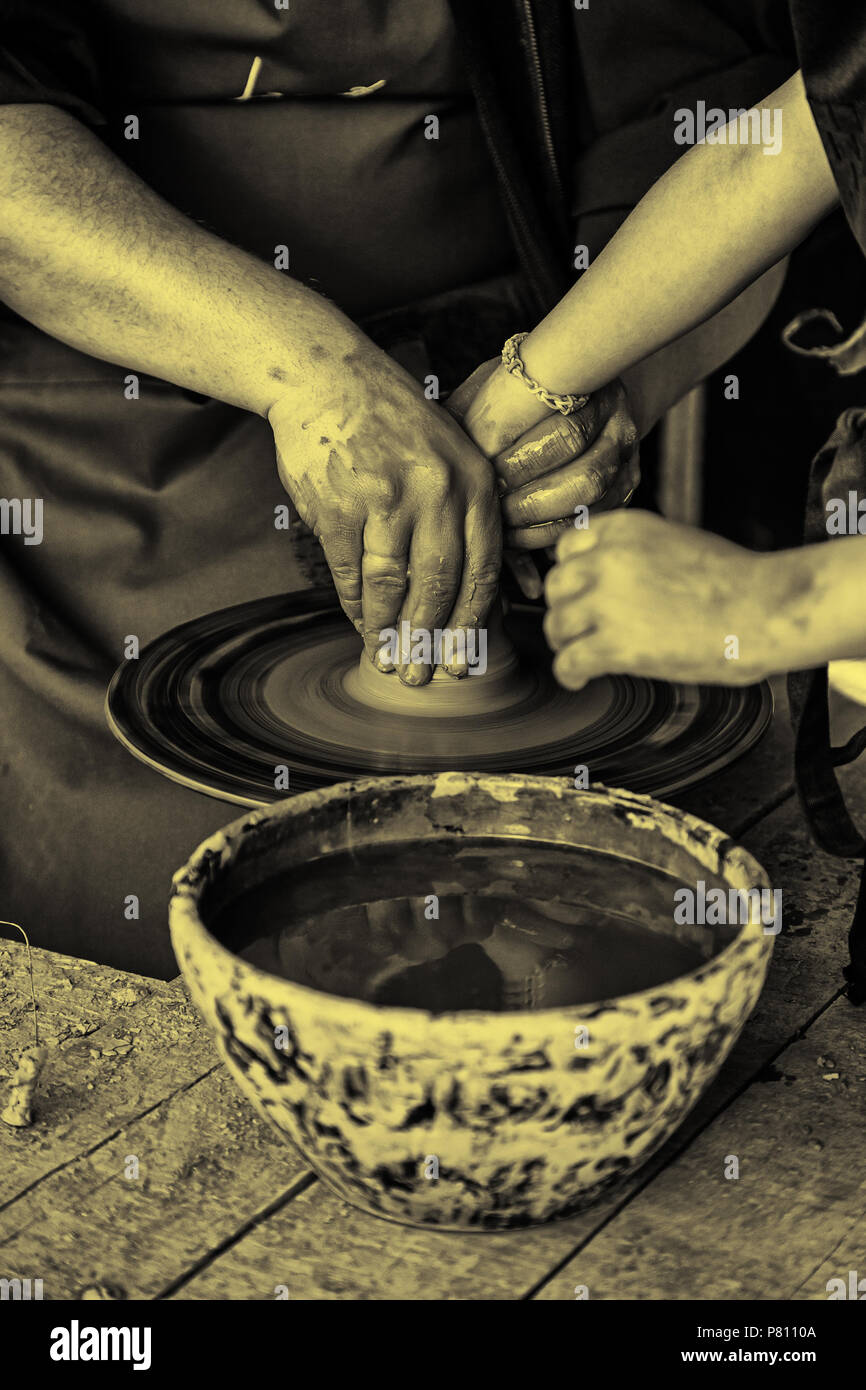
{"x": 720, "y": 217}
{"x": 663, "y": 378}
{"x": 94, "y": 257}
{"x": 815, "y": 604}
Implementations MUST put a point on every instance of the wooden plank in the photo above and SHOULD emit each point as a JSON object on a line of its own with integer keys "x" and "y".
{"x": 205, "y": 1169}
{"x": 118, "y": 1044}
{"x": 773, "y": 1232}
{"x": 131, "y": 1072}
{"x": 73, "y": 996}
{"x": 318, "y": 1247}
{"x": 845, "y": 1258}
{"x": 322, "y": 1249}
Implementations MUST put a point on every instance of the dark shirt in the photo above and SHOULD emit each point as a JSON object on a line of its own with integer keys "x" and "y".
{"x": 370, "y": 209}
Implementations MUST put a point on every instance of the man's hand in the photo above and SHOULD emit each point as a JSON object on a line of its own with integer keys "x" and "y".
{"x": 388, "y": 481}
{"x": 548, "y": 463}
{"x": 403, "y": 503}
{"x": 636, "y": 594}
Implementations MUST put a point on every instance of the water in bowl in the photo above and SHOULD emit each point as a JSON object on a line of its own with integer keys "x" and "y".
{"x": 468, "y": 924}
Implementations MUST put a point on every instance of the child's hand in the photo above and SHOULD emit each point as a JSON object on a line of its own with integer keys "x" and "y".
{"x": 636, "y": 594}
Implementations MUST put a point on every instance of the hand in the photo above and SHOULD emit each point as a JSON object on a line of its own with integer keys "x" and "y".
{"x": 549, "y": 463}
{"x": 636, "y": 594}
{"x": 402, "y": 502}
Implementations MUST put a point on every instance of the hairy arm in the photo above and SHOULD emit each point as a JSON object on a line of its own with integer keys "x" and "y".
{"x": 90, "y": 254}
{"x": 94, "y": 257}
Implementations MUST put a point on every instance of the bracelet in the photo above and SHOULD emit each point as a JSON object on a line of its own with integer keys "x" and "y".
{"x": 513, "y": 363}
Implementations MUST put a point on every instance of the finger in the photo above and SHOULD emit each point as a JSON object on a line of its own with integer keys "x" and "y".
{"x": 435, "y": 571}
{"x": 622, "y": 490}
{"x": 525, "y": 572}
{"x": 576, "y": 539}
{"x": 342, "y": 545}
{"x": 568, "y": 580}
{"x": 570, "y": 619}
{"x": 616, "y": 497}
{"x": 581, "y": 661}
{"x": 384, "y": 571}
{"x": 462, "y": 397}
{"x": 583, "y": 482}
{"x": 480, "y": 581}
{"x": 538, "y": 537}
{"x": 548, "y": 445}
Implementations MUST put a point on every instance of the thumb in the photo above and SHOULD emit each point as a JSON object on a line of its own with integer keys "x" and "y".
{"x": 462, "y": 397}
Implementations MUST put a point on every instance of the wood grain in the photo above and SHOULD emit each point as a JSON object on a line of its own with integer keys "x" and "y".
{"x": 780, "y": 1228}
{"x": 321, "y": 1248}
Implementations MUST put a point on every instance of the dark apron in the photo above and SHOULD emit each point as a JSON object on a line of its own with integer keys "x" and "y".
{"x": 837, "y": 469}
{"x": 831, "y": 46}
{"x": 161, "y": 508}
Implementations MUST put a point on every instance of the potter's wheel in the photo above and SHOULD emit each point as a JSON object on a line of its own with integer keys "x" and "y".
{"x": 219, "y": 703}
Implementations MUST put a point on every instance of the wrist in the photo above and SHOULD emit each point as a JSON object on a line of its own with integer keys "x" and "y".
{"x": 320, "y": 370}
{"x": 544, "y": 361}
{"x": 813, "y": 598}
{"x": 508, "y": 396}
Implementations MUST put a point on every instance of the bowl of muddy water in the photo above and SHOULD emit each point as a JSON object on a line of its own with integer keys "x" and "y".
{"x": 469, "y": 1001}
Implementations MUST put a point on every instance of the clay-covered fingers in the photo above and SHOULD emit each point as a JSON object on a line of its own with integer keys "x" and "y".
{"x": 384, "y": 576}
{"x": 586, "y": 482}
{"x": 479, "y": 584}
{"x": 620, "y": 492}
{"x": 342, "y": 545}
{"x": 435, "y": 570}
{"x": 601, "y": 471}
{"x": 538, "y": 537}
{"x": 546, "y": 535}
{"x": 550, "y": 444}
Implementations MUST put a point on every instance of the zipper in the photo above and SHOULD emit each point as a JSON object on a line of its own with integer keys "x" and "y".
{"x": 540, "y": 94}
{"x": 536, "y": 269}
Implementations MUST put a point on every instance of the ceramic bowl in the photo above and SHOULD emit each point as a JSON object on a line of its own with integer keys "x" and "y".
{"x": 529, "y": 1115}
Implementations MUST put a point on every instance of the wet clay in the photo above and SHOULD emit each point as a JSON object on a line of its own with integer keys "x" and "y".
{"x": 501, "y": 685}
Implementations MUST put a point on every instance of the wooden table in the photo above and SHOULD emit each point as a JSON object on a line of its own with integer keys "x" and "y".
{"x": 147, "y": 1176}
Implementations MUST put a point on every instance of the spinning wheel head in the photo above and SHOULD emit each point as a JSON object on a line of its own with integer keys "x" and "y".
{"x": 223, "y": 702}
{"x": 494, "y": 683}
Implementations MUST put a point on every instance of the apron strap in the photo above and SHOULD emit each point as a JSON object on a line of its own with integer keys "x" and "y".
{"x": 814, "y": 762}
{"x": 823, "y": 803}
{"x": 838, "y": 466}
